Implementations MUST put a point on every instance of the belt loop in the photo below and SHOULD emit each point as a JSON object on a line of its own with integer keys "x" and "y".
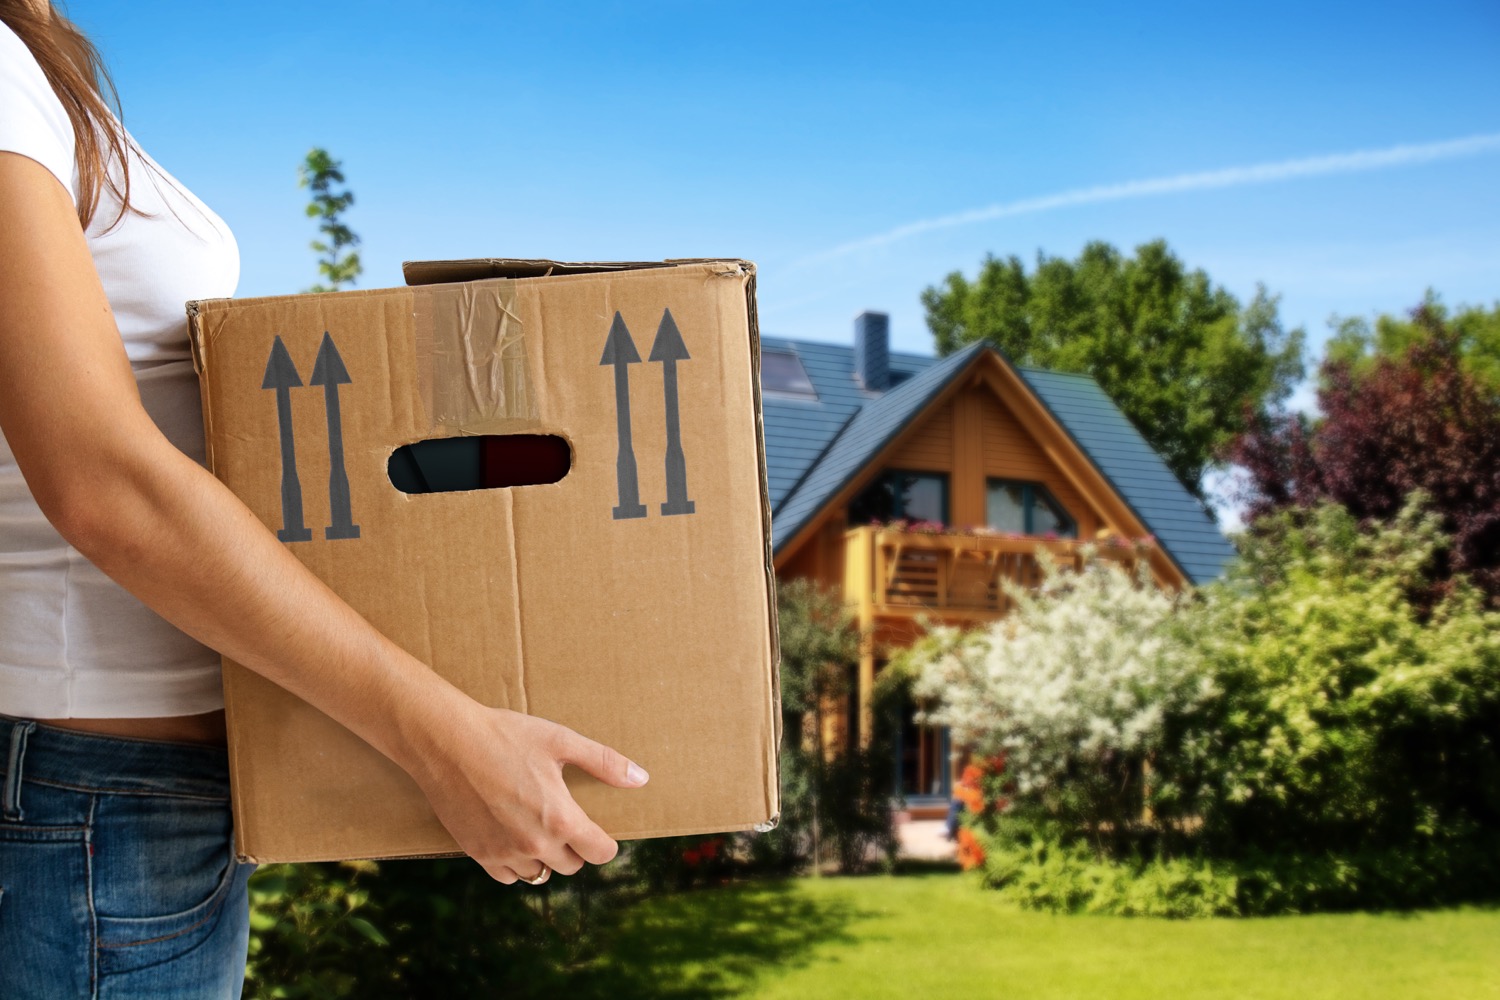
{"x": 10, "y": 795}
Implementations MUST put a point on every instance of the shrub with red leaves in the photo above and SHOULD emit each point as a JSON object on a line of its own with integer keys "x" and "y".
{"x": 1417, "y": 421}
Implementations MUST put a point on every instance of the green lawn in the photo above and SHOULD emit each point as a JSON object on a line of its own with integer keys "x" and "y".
{"x": 940, "y": 935}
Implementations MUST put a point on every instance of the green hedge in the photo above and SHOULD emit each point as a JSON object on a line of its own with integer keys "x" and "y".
{"x": 1348, "y": 757}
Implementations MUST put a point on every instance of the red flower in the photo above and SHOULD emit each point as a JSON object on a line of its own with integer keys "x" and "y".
{"x": 970, "y": 851}
{"x": 702, "y": 852}
{"x": 971, "y": 784}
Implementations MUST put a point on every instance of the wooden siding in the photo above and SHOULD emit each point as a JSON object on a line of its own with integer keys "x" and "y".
{"x": 930, "y": 447}
{"x": 1010, "y": 453}
{"x": 802, "y": 564}
{"x": 972, "y": 437}
{"x": 821, "y": 557}
{"x": 976, "y": 437}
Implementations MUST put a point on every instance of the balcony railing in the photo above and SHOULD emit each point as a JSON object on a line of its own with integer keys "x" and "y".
{"x": 893, "y": 572}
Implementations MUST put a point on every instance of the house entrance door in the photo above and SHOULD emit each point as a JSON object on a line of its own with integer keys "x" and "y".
{"x": 922, "y": 751}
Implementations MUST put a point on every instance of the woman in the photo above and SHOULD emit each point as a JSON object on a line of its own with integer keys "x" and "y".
{"x": 126, "y": 568}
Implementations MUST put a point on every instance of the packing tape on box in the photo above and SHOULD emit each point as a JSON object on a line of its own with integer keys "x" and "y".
{"x": 471, "y": 355}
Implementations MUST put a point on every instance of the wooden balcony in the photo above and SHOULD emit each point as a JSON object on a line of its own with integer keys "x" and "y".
{"x": 890, "y": 573}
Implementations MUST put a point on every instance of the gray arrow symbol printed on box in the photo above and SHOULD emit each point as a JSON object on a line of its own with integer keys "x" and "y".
{"x": 282, "y": 376}
{"x": 330, "y": 373}
{"x": 619, "y": 350}
{"x": 669, "y": 349}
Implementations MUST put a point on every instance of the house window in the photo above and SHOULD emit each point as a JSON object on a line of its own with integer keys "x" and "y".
{"x": 915, "y": 496}
{"x": 782, "y": 371}
{"x": 1026, "y": 509}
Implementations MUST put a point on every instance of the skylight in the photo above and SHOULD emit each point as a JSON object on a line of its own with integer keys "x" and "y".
{"x": 782, "y": 371}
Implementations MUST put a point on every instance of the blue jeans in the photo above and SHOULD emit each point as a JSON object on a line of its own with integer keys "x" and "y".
{"x": 117, "y": 870}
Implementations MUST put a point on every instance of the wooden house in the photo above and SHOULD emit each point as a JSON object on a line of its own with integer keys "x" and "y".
{"x": 869, "y": 452}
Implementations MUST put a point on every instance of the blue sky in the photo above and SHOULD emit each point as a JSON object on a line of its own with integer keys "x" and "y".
{"x": 782, "y": 133}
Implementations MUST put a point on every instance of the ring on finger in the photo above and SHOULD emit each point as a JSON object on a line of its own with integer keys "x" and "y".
{"x": 539, "y": 877}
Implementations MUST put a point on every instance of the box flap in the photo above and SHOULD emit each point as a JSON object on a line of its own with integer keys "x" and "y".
{"x": 431, "y": 272}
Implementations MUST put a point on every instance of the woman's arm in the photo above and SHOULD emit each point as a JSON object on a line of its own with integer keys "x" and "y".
{"x": 173, "y": 535}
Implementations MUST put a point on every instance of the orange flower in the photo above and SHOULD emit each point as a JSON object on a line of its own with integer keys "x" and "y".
{"x": 970, "y": 851}
{"x": 971, "y": 797}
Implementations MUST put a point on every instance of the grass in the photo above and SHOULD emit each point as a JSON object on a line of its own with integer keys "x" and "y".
{"x": 941, "y": 935}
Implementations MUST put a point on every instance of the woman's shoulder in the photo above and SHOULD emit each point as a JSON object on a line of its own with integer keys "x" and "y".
{"x": 18, "y": 64}
{"x": 11, "y": 44}
{"x": 33, "y": 121}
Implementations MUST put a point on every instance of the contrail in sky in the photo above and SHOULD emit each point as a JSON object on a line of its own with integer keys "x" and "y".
{"x": 1259, "y": 173}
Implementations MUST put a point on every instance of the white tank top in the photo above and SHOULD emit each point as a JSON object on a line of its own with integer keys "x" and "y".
{"x": 73, "y": 644}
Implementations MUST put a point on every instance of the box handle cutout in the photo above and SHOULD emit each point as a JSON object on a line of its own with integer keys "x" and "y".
{"x": 488, "y": 462}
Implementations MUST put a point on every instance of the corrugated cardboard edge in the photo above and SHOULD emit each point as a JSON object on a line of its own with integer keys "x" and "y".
{"x": 432, "y": 272}
{"x": 770, "y": 568}
{"x": 646, "y": 833}
{"x": 196, "y": 337}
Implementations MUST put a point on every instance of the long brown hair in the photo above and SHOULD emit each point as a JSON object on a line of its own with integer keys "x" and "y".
{"x": 77, "y": 74}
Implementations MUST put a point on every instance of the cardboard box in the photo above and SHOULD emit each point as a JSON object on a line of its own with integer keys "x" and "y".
{"x": 631, "y": 600}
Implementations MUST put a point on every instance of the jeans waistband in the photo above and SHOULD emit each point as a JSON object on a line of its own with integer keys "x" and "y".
{"x": 119, "y": 764}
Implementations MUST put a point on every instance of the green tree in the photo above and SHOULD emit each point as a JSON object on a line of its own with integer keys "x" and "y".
{"x": 1359, "y": 341}
{"x": 338, "y": 263}
{"x": 1184, "y": 360}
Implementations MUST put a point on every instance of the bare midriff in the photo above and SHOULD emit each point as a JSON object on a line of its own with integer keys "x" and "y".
{"x": 206, "y": 728}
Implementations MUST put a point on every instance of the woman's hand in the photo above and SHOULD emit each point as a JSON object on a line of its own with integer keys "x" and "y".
{"x": 496, "y": 784}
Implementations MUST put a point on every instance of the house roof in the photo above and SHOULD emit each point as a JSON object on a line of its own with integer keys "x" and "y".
{"x": 816, "y": 447}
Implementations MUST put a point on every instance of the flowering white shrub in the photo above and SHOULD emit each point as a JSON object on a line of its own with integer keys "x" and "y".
{"x": 1081, "y": 673}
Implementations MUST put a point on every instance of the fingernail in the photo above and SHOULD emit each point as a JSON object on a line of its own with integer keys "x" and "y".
{"x": 636, "y": 775}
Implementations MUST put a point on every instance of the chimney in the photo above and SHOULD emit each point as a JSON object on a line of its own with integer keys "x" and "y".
{"x": 872, "y": 350}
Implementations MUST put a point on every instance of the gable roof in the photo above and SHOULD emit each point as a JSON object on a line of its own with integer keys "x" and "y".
{"x": 816, "y": 447}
